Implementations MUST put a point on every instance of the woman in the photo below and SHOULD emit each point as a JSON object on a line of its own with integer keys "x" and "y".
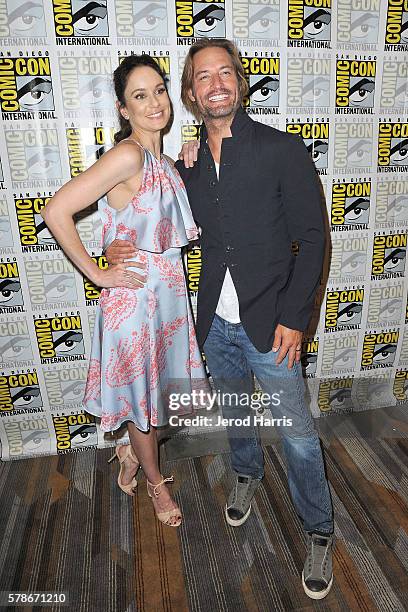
{"x": 144, "y": 345}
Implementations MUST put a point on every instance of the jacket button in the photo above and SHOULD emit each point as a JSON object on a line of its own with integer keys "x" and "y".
{"x": 216, "y": 201}
{"x": 212, "y": 183}
{"x": 224, "y": 264}
{"x": 229, "y": 248}
{"x": 209, "y": 167}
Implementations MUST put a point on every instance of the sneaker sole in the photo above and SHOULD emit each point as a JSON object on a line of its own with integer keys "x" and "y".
{"x": 238, "y": 522}
{"x": 314, "y": 594}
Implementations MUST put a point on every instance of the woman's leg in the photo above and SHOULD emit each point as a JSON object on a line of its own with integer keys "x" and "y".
{"x": 146, "y": 450}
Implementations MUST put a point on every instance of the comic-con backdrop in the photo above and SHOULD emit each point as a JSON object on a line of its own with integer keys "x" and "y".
{"x": 334, "y": 72}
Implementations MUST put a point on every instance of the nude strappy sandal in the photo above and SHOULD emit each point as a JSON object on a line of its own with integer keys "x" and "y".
{"x": 129, "y": 489}
{"x": 165, "y": 516}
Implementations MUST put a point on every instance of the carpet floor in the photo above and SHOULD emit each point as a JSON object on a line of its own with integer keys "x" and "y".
{"x": 66, "y": 527}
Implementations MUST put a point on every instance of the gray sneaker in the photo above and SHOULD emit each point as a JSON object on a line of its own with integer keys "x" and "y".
{"x": 317, "y": 576}
{"x": 238, "y": 506}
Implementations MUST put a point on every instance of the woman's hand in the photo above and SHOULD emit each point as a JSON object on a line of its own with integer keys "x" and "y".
{"x": 189, "y": 153}
{"x": 119, "y": 276}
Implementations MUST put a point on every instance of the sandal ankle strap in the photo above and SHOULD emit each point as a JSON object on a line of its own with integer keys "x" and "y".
{"x": 156, "y": 493}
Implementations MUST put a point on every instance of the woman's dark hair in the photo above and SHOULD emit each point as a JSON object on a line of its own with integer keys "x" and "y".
{"x": 120, "y": 79}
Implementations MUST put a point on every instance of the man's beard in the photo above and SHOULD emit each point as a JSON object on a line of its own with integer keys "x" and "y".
{"x": 221, "y": 111}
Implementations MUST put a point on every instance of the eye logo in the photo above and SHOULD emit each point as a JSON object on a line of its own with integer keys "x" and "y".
{"x": 389, "y": 255}
{"x": 309, "y": 21}
{"x": 199, "y": 19}
{"x": 358, "y": 21}
{"x": 379, "y": 350}
{"x": 75, "y": 432}
{"x": 343, "y": 309}
{"x": 26, "y": 85}
{"x": 393, "y": 146}
{"x": 81, "y": 18}
{"x": 263, "y": 80}
{"x": 316, "y": 139}
{"x": 396, "y": 29}
{"x": 24, "y": 19}
{"x": 60, "y": 338}
{"x": 335, "y": 395}
{"x": 355, "y": 85}
{"x": 350, "y": 205}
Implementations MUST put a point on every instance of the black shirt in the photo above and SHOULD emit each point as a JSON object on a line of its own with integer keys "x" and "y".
{"x": 267, "y": 196}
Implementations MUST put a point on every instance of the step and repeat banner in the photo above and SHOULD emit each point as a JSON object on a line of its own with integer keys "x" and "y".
{"x": 334, "y": 72}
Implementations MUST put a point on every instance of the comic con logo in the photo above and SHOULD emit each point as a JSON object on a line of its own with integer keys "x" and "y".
{"x": 33, "y": 231}
{"x": 350, "y": 206}
{"x": 15, "y": 343}
{"x": 26, "y": 88}
{"x": 343, "y": 309}
{"x": 335, "y": 395}
{"x": 385, "y": 305}
{"x": 349, "y": 258}
{"x": 339, "y": 353}
{"x": 389, "y": 255}
{"x": 11, "y": 295}
{"x": 51, "y": 281}
{"x": 199, "y": 19}
{"x": 357, "y": 22}
{"x": 310, "y": 349}
{"x": 60, "y": 338}
{"x": 254, "y": 20}
{"x": 23, "y": 20}
{"x": 86, "y": 85}
{"x": 308, "y": 83}
{"x": 20, "y": 392}
{"x": 33, "y": 157}
{"x": 262, "y": 74}
{"x": 355, "y": 84}
{"x": 400, "y": 386}
{"x": 394, "y": 86}
{"x": 396, "y": 29}
{"x": 65, "y": 386}
{"x": 141, "y": 19}
{"x": 309, "y": 23}
{"x": 27, "y": 436}
{"x": 379, "y": 350}
{"x": 193, "y": 269}
{"x": 316, "y": 138}
{"x": 92, "y": 293}
{"x": 353, "y": 146}
{"x": 87, "y": 21}
{"x": 75, "y": 432}
{"x": 393, "y": 147}
{"x": 86, "y": 145}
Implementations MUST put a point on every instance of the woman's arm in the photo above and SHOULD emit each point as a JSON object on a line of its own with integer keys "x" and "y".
{"x": 116, "y": 166}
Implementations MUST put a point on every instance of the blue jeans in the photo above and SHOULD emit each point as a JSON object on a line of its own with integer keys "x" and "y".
{"x": 231, "y": 359}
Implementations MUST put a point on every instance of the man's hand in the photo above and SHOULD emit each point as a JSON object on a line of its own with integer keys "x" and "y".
{"x": 288, "y": 342}
{"x": 119, "y": 250}
{"x": 189, "y": 152}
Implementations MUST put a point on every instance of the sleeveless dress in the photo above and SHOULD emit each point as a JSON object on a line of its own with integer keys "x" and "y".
{"x": 144, "y": 346}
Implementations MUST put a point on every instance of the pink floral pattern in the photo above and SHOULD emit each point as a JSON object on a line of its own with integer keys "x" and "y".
{"x": 171, "y": 273}
{"x": 144, "y": 343}
{"x": 159, "y": 345}
{"x": 117, "y": 306}
{"x": 165, "y": 235}
{"x": 127, "y": 359}
{"x": 93, "y": 383}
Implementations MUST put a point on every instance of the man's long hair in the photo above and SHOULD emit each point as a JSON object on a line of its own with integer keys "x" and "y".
{"x": 188, "y": 71}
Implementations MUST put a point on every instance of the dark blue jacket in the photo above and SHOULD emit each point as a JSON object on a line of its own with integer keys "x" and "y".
{"x": 267, "y": 196}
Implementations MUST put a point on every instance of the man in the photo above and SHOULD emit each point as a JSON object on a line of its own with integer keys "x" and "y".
{"x": 254, "y": 191}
